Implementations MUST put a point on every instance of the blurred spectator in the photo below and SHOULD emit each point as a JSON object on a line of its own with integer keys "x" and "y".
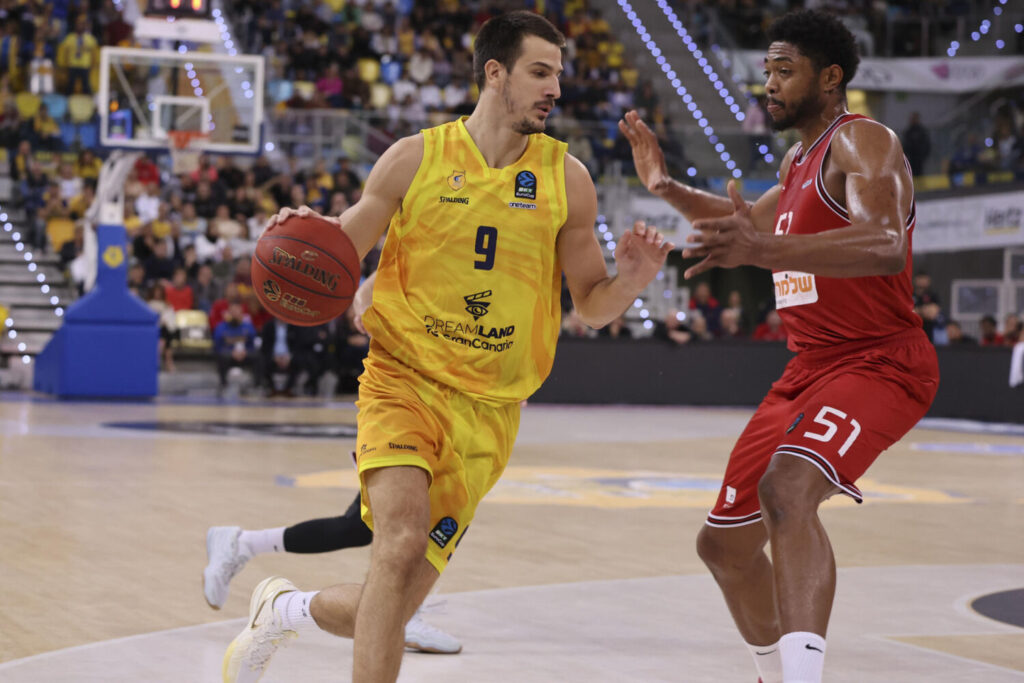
{"x": 771, "y": 329}
{"x": 70, "y": 184}
{"x": 45, "y": 130}
{"x": 280, "y": 367}
{"x": 1012, "y": 329}
{"x": 956, "y": 337}
{"x": 234, "y": 344}
{"x": 923, "y": 292}
{"x": 177, "y": 292}
{"x": 917, "y": 144}
{"x": 351, "y": 347}
{"x": 967, "y": 156}
{"x": 616, "y": 329}
{"x": 87, "y": 166}
{"x": 730, "y": 324}
{"x": 673, "y": 328}
{"x": 78, "y": 54}
{"x": 160, "y": 265}
{"x": 137, "y": 279}
{"x": 156, "y": 300}
{"x": 205, "y": 290}
{"x": 147, "y": 204}
{"x": 989, "y": 334}
{"x": 41, "y": 72}
{"x": 708, "y": 305}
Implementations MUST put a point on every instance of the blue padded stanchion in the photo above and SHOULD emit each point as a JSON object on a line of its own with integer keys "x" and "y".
{"x": 107, "y": 346}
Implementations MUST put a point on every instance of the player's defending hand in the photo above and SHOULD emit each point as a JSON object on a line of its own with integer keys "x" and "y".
{"x": 641, "y": 253}
{"x": 647, "y": 155}
{"x": 724, "y": 242}
{"x": 303, "y": 211}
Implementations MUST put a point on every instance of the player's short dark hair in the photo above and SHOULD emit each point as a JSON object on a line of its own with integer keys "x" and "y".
{"x": 501, "y": 39}
{"x": 820, "y": 37}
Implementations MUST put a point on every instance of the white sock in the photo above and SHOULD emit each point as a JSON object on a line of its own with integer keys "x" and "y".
{"x": 262, "y": 541}
{"x": 803, "y": 657}
{"x": 768, "y": 661}
{"x": 294, "y": 610}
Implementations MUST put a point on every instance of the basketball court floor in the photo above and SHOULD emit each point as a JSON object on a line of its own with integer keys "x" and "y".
{"x": 580, "y": 565}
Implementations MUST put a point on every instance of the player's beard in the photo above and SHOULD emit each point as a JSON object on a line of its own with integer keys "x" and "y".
{"x": 804, "y": 110}
{"x": 525, "y": 125}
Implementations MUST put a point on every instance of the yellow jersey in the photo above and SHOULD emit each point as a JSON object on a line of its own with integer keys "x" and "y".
{"x": 469, "y": 285}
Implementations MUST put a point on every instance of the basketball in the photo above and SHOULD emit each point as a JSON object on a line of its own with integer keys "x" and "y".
{"x": 305, "y": 270}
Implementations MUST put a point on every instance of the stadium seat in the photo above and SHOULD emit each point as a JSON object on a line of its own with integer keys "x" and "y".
{"x": 390, "y": 71}
{"x": 305, "y": 89}
{"x": 89, "y": 135}
{"x": 57, "y": 104}
{"x": 82, "y": 108}
{"x": 194, "y": 327}
{"x": 380, "y": 95}
{"x": 68, "y": 134}
{"x": 27, "y": 104}
{"x": 369, "y": 69}
{"x": 59, "y": 231}
{"x": 280, "y": 90}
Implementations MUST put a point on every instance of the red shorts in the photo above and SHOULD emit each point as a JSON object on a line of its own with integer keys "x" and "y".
{"x": 838, "y": 408}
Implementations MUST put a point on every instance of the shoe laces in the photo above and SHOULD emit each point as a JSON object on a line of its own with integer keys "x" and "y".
{"x": 231, "y": 567}
{"x": 265, "y": 643}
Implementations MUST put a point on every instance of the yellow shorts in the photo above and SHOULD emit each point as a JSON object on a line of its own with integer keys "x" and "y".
{"x": 464, "y": 444}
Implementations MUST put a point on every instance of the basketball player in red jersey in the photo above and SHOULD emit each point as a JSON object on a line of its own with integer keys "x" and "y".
{"x": 836, "y": 233}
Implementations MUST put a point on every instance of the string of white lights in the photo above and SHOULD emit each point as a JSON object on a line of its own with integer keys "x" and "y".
{"x": 983, "y": 29}
{"x": 33, "y": 267}
{"x": 684, "y": 95}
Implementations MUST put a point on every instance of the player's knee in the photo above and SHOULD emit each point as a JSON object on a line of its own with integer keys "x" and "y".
{"x": 782, "y": 499}
{"x": 710, "y": 549}
{"x": 402, "y": 548}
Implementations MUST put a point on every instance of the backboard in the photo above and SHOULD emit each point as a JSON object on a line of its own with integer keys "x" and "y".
{"x": 144, "y": 93}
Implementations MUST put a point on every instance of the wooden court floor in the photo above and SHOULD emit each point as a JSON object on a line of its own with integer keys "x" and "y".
{"x": 579, "y": 566}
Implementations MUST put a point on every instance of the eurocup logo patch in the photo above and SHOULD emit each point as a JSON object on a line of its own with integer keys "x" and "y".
{"x": 271, "y": 290}
{"x": 457, "y": 180}
{"x": 444, "y": 531}
{"x": 526, "y": 185}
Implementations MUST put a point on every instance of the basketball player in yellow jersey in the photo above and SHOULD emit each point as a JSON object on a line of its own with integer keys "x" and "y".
{"x": 485, "y": 214}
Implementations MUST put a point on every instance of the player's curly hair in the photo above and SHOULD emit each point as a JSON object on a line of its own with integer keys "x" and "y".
{"x": 501, "y": 38}
{"x": 820, "y": 37}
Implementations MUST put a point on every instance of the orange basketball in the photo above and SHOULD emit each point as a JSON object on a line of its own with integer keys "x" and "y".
{"x": 305, "y": 270}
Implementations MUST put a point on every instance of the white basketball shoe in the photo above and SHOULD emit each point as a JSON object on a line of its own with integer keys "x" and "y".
{"x": 225, "y": 558}
{"x": 249, "y": 653}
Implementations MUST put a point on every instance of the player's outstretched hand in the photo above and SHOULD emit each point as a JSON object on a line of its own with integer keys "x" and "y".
{"x": 647, "y": 155}
{"x": 303, "y": 211}
{"x": 641, "y": 253}
{"x": 724, "y": 242}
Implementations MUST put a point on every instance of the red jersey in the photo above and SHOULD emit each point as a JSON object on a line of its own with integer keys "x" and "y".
{"x": 822, "y": 311}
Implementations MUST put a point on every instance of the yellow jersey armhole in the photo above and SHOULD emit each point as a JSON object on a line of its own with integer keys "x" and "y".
{"x": 399, "y": 220}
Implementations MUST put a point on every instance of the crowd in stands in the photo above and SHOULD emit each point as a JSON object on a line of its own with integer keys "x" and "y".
{"x": 410, "y": 66}
{"x": 898, "y": 28}
{"x": 944, "y": 331}
{"x": 192, "y": 235}
{"x": 704, "y": 320}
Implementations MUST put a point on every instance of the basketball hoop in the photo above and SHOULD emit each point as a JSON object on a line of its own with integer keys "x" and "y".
{"x": 186, "y": 148}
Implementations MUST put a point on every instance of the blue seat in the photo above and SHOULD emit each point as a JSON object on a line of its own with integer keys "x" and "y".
{"x": 89, "y": 136}
{"x": 57, "y": 105}
{"x": 69, "y": 134}
{"x": 280, "y": 90}
{"x": 390, "y": 71}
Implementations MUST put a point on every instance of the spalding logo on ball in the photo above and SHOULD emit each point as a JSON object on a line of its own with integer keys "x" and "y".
{"x": 309, "y": 269}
